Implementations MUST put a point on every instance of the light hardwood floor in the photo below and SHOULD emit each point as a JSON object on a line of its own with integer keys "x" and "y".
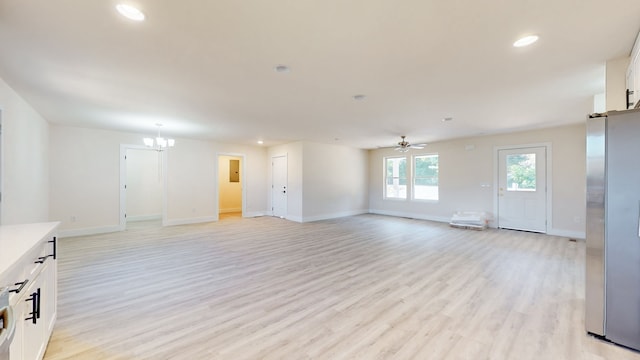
{"x": 363, "y": 287}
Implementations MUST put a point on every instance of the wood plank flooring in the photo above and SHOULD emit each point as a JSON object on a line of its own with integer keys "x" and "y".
{"x": 363, "y": 287}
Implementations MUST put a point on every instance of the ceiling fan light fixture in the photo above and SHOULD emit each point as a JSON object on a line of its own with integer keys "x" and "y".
{"x": 404, "y": 145}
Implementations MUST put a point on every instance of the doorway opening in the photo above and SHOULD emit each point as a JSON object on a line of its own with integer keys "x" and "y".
{"x": 522, "y": 191}
{"x": 230, "y": 186}
{"x": 142, "y": 181}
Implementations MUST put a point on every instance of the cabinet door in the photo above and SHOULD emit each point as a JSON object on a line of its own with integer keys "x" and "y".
{"x": 33, "y": 333}
{"x": 48, "y": 296}
{"x": 633, "y": 78}
{"x": 631, "y": 86}
{"x": 15, "y": 351}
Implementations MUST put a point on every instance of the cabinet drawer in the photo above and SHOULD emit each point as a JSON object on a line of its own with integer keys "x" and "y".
{"x": 19, "y": 276}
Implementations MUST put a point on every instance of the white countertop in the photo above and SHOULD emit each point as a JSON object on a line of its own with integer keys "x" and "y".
{"x": 17, "y": 240}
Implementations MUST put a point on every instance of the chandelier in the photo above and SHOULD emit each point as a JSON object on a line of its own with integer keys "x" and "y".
{"x": 159, "y": 143}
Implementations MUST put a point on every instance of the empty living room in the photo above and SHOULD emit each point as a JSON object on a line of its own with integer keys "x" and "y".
{"x": 319, "y": 180}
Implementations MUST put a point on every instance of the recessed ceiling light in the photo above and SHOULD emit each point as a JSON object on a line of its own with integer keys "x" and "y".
{"x": 282, "y": 68}
{"x": 260, "y": 142}
{"x": 359, "y": 97}
{"x": 526, "y": 41}
{"x": 130, "y": 12}
{"x": 447, "y": 119}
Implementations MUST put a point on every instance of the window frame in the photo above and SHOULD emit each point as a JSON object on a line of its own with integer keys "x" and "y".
{"x": 385, "y": 196}
{"x": 414, "y": 177}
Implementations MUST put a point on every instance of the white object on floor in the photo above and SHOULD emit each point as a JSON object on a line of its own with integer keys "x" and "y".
{"x": 469, "y": 219}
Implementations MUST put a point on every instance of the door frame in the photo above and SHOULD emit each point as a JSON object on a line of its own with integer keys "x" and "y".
{"x": 243, "y": 177}
{"x": 286, "y": 212}
{"x": 123, "y": 182}
{"x": 548, "y": 177}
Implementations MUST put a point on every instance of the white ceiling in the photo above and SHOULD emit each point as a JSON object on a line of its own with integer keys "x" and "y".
{"x": 205, "y": 68}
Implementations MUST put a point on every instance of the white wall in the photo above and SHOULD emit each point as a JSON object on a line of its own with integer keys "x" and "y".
{"x": 463, "y": 172}
{"x": 230, "y": 193}
{"x": 293, "y": 151}
{"x": 324, "y": 181}
{"x": 335, "y": 181}
{"x": 144, "y": 185}
{"x": 25, "y": 161}
{"x": 85, "y": 178}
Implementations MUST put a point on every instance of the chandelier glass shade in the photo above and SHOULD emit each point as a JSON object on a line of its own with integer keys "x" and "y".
{"x": 159, "y": 143}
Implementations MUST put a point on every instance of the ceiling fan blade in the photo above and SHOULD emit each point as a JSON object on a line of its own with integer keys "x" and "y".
{"x": 417, "y": 146}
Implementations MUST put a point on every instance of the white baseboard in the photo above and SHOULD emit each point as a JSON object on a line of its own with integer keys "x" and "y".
{"x": 144, "y": 217}
{"x": 88, "y": 231}
{"x": 334, "y": 215}
{"x": 188, "y": 221}
{"x": 254, "y": 214}
{"x": 567, "y": 233}
{"x": 294, "y": 218}
{"x": 410, "y": 215}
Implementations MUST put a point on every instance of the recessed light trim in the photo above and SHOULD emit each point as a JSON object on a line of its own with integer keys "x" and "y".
{"x": 260, "y": 142}
{"x": 359, "y": 97}
{"x": 526, "y": 41}
{"x": 130, "y": 12}
{"x": 282, "y": 68}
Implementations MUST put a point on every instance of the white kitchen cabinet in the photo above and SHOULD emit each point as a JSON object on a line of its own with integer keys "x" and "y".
{"x": 633, "y": 74}
{"x": 29, "y": 269}
{"x": 28, "y": 309}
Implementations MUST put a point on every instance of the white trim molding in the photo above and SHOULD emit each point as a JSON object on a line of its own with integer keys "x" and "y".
{"x": 187, "y": 221}
{"x": 88, "y": 231}
{"x": 334, "y": 215}
{"x": 410, "y": 215}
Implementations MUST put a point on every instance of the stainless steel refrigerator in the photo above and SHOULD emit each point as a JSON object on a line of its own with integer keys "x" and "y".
{"x": 613, "y": 227}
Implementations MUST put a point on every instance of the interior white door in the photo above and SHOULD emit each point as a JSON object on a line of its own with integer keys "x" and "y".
{"x": 522, "y": 189}
{"x": 279, "y": 186}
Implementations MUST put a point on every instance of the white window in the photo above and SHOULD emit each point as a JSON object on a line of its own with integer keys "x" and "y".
{"x": 521, "y": 172}
{"x": 425, "y": 177}
{"x": 395, "y": 178}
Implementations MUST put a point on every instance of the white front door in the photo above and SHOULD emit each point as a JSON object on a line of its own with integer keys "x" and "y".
{"x": 522, "y": 189}
{"x": 279, "y": 186}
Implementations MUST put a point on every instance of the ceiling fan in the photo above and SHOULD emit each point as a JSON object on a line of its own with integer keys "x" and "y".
{"x": 404, "y": 145}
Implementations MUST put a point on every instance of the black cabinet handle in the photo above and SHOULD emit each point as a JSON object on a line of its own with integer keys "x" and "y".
{"x": 34, "y": 307}
{"x": 38, "y": 303}
{"x": 41, "y": 259}
{"x": 22, "y": 285}
{"x": 55, "y": 248}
